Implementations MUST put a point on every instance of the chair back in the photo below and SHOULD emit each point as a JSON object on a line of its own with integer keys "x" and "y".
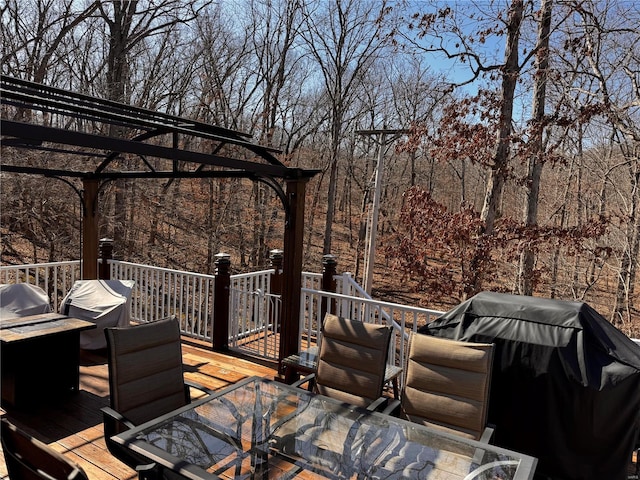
{"x": 447, "y": 384}
{"x": 28, "y": 458}
{"x": 352, "y": 360}
{"x": 146, "y": 376}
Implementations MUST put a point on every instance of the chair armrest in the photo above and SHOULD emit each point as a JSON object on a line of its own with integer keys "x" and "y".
{"x": 484, "y": 438}
{"x": 392, "y": 408}
{"x": 188, "y": 385}
{"x": 115, "y": 423}
{"x": 487, "y": 434}
{"x": 379, "y": 404}
{"x": 308, "y": 379}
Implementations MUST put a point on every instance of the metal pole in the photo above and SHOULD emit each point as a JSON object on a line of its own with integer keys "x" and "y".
{"x": 373, "y": 219}
{"x": 372, "y": 222}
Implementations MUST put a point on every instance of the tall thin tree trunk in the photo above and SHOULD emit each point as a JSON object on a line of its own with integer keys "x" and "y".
{"x": 629, "y": 257}
{"x": 331, "y": 195}
{"x": 117, "y": 76}
{"x": 493, "y": 195}
{"x": 527, "y": 259}
{"x": 495, "y": 183}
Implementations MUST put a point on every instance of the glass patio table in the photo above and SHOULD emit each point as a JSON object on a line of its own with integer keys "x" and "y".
{"x": 259, "y": 428}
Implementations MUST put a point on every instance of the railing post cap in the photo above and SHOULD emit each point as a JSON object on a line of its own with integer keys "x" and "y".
{"x": 329, "y": 258}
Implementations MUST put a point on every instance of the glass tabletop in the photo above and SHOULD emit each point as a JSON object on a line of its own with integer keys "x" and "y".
{"x": 265, "y": 429}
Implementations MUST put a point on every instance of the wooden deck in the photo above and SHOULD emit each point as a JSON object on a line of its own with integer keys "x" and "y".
{"x": 74, "y": 426}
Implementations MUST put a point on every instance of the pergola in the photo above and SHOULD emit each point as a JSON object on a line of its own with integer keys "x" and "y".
{"x": 147, "y": 135}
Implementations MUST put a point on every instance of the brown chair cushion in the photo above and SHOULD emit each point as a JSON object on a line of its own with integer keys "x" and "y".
{"x": 447, "y": 384}
{"x": 352, "y": 360}
{"x": 145, "y": 369}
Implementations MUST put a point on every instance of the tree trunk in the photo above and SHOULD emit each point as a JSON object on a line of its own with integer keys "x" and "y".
{"x": 495, "y": 183}
{"x": 117, "y": 75}
{"x": 331, "y": 195}
{"x": 527, "y": 259}
{"x": 629, "y": 257}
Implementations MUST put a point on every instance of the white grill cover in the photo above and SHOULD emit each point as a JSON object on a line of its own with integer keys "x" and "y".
{"x": 106, "y": 303}
{"x": 22, "y": 299}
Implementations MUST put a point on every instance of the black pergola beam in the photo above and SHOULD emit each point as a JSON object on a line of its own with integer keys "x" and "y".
{"x": 26, "y": 131}
{"x": 29, "y": 95}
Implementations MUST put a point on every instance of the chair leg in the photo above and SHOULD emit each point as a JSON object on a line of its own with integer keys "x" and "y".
{"x": 149, "y": 472}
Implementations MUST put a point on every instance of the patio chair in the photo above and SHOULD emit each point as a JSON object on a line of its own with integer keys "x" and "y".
{"x": 351, "y": 368}
{"x": 352, "y": 361}
{"x": 22, "y": 299}
{"x": 28, "y": 458}
{"x": 447, "y": 386}
{"x": 146, "y": 380}
{"x": 104, "y": 302}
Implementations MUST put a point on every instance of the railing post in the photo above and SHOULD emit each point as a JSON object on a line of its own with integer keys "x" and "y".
{"x": 329, "y": 267}
{"x": 275, "y": 258}
{"x": 220, "y": 334}
{"x": 105, "y": 248}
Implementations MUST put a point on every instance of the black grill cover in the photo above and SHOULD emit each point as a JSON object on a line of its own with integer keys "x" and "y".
{"x": 565, "y": 385}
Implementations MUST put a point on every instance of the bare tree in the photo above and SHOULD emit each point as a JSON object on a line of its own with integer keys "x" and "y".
{"x": 33, "y": 34}
{"x": 344, "y": 37}
{"x": 536, "y": 162}
{"x": 130, "y": 24}
{"x": 611, "y": 50}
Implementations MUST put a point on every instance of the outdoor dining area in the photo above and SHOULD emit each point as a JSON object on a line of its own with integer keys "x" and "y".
{"x": 343, "y": 424}
{"x": 153, "y": 405}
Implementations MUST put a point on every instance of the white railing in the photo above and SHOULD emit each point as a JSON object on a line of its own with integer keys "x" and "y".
{"x": 253, "y": 310}
{"x": 162, "y": 292}
{"x": 55, "y": 278}
{"x": 253, "y": 315}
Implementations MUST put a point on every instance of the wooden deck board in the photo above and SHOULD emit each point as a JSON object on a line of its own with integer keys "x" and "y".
{"x": 73, "y": 426}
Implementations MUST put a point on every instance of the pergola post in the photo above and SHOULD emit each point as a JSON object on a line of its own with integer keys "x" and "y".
{"x": 292, "y": 266}
{"x": 89, "y": 265}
